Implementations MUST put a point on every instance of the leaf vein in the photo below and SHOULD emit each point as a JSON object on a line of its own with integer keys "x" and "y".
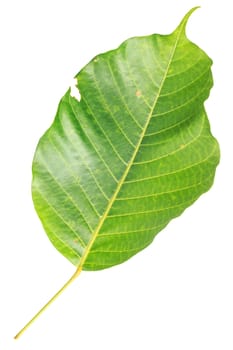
{"x": 108, "y": 108}
{"x": 199, "y": 77}
{"x": 122, "y": 97}
{"x": 104, "y": 133}
{"x": 96, "y": 251}
{"x": 177, "y": 150}
{"x": 67, "y": 195}
{"x": 62, "y": 219}
{"x": 182, "y": 204}
{"x": 186, "y": 103}
{"x": 93, "y": 144}
{"x": 176, "y": 171}
{"x": 77, "y": 182}
{"x": 165, "y": 192}
{"x": 134, "y": 231}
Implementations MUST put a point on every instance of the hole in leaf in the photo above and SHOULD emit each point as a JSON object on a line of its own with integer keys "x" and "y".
{"x": 74, "y": 91}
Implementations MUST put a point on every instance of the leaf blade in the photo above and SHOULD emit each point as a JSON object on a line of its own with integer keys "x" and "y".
{"x": 129, "y": 136}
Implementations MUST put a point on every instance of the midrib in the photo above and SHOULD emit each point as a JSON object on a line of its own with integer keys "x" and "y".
{"x": 120, "y": 183}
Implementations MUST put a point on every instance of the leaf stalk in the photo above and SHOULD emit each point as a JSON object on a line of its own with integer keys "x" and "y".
{"x": 73, "y": 277}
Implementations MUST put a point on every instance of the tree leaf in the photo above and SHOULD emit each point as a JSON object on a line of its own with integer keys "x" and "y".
{"x": 115, "y": 167}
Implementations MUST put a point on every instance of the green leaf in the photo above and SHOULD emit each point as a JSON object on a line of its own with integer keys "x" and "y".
{"x": 115, "y": 167}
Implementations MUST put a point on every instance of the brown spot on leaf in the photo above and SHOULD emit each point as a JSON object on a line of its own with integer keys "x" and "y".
{"x": 138, "y": 93}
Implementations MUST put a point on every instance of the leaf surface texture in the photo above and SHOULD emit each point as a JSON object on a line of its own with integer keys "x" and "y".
{"x": 115, "y": 167}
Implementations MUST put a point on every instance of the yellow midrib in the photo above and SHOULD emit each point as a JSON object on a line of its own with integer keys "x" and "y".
{"x": 104, "y": 216}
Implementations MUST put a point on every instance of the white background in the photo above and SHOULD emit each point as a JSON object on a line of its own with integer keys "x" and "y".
{"x": 178, "y": 293}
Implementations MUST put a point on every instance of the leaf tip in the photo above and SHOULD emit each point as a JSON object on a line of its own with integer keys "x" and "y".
{"x": 182, "y": 25}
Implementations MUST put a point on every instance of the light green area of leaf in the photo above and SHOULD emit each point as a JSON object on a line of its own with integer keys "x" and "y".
{"x": 116, "y": 167}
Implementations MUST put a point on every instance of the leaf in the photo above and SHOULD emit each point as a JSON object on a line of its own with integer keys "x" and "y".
{"x": 115, "y": 167}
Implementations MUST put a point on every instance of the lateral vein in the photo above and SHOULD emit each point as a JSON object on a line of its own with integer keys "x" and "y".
{"x": 102, "y": 219}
